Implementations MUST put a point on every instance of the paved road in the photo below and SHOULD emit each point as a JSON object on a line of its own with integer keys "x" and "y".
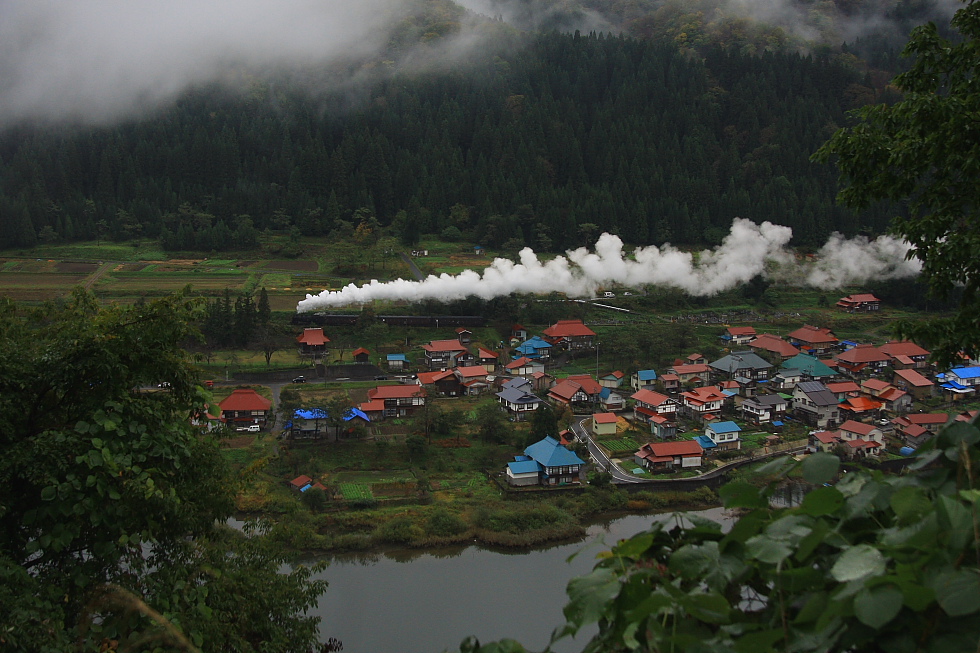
{"x": 411, "y": 266}
{"x": 601, "y": 460}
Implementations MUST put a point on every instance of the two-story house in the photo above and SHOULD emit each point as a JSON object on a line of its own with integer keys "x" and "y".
{"x": 772, "y": 347}
{"x": 443, "y": 354}
{"x": 906, "y": 354}
{"x": 399, "y": 400}
{"x": 658, "y": 410}
{"x": 865, "y": 358}
{"x": 860, "y": 303}
{"x": 816, "y": 341}
{"x": 703, "y": 403}
{"x": 725, "y": 435}
{"x": 643, "y": 379}
{"x": 244, "y": 407}
{"x": 815, "y": 405}
{"x": 517, "y": 398}
{"x": 572, "y": 335}
{"x": 737, "y": 336}
{"x": 743, "y": 364}
{"x": 548, "y": 462}
{"x": 914, "y": 383}
{"x": 764, "y": 409}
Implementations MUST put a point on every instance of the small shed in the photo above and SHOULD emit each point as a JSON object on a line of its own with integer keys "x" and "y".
{"x": 604, "y": 423}
{"x": 361, "y": 355}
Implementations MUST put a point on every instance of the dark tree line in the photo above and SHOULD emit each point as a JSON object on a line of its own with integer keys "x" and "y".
{"x": 543, "y": 141}
{"x": 238, "y": 322}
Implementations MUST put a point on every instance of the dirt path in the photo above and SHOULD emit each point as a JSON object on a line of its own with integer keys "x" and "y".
{"x": 95, "y": 276}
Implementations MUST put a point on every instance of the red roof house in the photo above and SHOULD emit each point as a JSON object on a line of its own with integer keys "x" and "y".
{"x": 572, "y": 334}
{"x": 244, "y": 405}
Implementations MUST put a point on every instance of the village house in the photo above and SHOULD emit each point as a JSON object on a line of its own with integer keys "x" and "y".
{"x": 516, "y": 396}
{"x": 443, "y": 354}
{"x": 472, "y": 379}
{"x": 697, "y": 373}
{"x": 567, "y": 393}
{"x": 643, "y": 379}
{"x": 862, "y": 303}
{"x": 547, "y": 462}
{"x": 541, "y": 380}
{"x": 815, "y": 405}
{"x": 914, "y": 383}
{"x": 571, "y": 335}
{"x": 657, "y": 410}
{"x": 703, "y": 404}
{"x": 736, "y": 336}
{"x": 862, "y": 439}
{"x": 523, "y": 366}
{"x": 487, "y": 359}
{"x": 823, "y": 441}
{"x": 397, "y": 362}
{"x": 693, "y": 359}
{"x": 244, "y": 407}
{"x": 518, "y": 333}
{"x": 931, "y": 422}
{"x": 816, "y": 341}
{"x": 765, "y": 409}
{"x": 669, "y": 383}
{"x": 959, "y": 381}
{"x": 662, "y": 456}
{"x": 612, "y": 380}
{"x": 905, "y": 354}
{"x": 893, "y": 400}
{"x": 865, "y": 358}
{"x": 861, "y": 407}
{"x": 464, "y": 335}
{"x": 399, "y": 400}
{"x": 312, "y": 342}
{"x": 772, "y": 348}
{"x": 786, "y": 379}
{"x": 743, "y": 364}
{"x": 843, "y": 390}
{"x": 536, "y": 348}
{"x": 812, "y": 369}
{"x": 725, "y": 435}
{"x": 604, "y": 424}
{"x": 610, "y": 400}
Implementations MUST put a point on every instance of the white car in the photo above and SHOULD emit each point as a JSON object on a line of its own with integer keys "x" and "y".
{"x": 251, "y": 428}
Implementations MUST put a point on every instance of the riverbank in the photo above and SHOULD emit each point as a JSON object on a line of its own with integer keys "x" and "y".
{"x": 488, "y": 521}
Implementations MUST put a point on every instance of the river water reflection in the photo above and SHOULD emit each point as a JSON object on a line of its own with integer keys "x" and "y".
{"x": 412, "y": 602}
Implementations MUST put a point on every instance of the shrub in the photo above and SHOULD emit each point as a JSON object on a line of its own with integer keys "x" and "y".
{"x": 443, "y": 523}
{"x": 400, "y": 530}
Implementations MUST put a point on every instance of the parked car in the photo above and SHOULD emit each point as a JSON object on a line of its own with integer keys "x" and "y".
{"x": 300, "y": 379}
{"x": 251, "y": 428}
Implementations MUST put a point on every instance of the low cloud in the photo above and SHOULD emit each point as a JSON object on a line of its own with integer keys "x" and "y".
{"x": 99, "y": 61}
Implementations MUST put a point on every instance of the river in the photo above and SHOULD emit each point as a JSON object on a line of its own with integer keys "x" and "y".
{"x": 427, "y": 602}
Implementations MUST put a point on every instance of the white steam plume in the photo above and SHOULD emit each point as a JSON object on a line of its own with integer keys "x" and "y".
{"x": 746, "y": 252}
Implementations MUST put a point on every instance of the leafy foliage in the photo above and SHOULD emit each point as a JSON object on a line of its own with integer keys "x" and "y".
{"x": 871, "y": 563}
{"x": 924, "y": 152}
{"x": 109, "y": 498}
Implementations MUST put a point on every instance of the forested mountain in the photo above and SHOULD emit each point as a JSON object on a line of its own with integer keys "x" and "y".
{"x": 542, "y": 140}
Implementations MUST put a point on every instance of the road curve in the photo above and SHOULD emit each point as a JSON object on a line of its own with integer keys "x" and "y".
{"x": 600, "y": 459}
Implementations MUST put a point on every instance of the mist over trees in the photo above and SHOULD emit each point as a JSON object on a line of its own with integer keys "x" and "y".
{"x": 543, "y": 141}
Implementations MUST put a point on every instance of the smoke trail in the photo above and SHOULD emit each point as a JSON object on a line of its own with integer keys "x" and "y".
{"x": 746, "y": 251}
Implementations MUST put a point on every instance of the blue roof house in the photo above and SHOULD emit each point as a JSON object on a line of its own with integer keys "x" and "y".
{"x": 643, "y": 378}
{"x": 397, "y": 361}
{"x": 536, "y": 348}
{"x": 553, "y": 463}
{"x": 724, "y": 434}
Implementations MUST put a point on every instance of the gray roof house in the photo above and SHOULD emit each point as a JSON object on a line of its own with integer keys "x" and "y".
{"x": 746, "y": 364}
{"x": 517, "y": 398}
{"x": 815, "y": 405}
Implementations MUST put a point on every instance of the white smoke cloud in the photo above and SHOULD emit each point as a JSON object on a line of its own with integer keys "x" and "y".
{"x": 841, "y": 262}
{"x": 748, "y": 250}
{"x": 98, "y": 61}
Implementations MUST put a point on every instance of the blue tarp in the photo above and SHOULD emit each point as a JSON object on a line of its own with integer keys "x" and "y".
{"x": 906, "y": 451}
{"x": 311, "y": 413}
